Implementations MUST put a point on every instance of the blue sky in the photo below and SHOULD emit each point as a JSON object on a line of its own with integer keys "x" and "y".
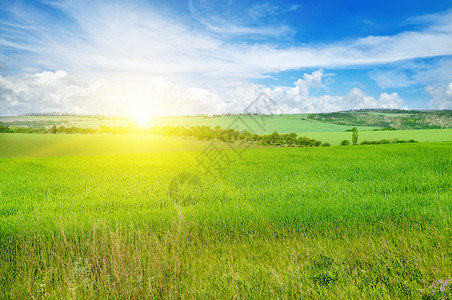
{"x": 189, "y": 57}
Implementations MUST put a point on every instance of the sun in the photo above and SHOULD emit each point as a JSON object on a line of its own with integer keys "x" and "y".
{"x": 142, "y": 118}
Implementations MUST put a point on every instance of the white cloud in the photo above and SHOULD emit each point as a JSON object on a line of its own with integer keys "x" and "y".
{"x": 49, "y": 77}
{"x": 309, "y": 80}
{"x": 441, "y": 96}
{"x": 391, "y": 79}
{"x": 390, "y": 101}
{"x": 46, "y": 91}
{"x": 297, "y": 99}
{"x": 108, "y": 40}
{"x": 408, "y": 73}
{"x": 260, "y": 20}
{"x": 58, "y": 91}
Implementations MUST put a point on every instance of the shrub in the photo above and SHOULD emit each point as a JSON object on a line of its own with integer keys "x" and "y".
{"x": 345, "y": 143}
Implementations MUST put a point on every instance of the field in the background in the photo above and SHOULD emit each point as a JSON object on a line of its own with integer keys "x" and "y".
{"x": 422, "y": 135}
{"x": 44, "y": 118}
{"x": 280, "y": 123}
{"x": 297, "y": 123}
{"x": 35, "y": 145}
{"x": 77, "y": 121}
{"x": 327, "y": 222}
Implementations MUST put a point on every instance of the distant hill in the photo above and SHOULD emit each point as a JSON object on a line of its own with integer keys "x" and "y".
{"x": 388, "y": 118}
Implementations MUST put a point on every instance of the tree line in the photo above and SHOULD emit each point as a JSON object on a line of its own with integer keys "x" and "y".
{"x": 67, "y": 114}
{"x": 202, "y": 133}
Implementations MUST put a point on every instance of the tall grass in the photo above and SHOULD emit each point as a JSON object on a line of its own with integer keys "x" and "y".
{"x": 349, "y": 222}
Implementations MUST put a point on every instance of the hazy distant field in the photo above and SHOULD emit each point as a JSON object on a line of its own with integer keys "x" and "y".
{"x": 280, "y": 123}
{"x": 297, "y": 123}
{"x": 327, "y": 222}
{"x": 35, "y": 145}
{"x": 43, "y": 118}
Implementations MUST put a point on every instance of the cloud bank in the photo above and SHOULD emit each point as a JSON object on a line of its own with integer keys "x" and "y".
{"x": 57, "y": 91}
{"x": 441, "y": 96}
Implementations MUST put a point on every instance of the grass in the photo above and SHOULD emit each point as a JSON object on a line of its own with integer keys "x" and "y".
{"x": 35, "y": 145}
{"x": 280, "y": 123}
{"x": 324, "y": 132}
{"x": 329, "y": 222}
{"x": 423, "y": 135}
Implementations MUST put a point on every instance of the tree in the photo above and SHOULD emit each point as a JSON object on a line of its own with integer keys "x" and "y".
{"x": 275, "y": 138}
{"x": 5, "y": 129}
{"x": 345, "y": 143}
{"x": 355, "y": 136}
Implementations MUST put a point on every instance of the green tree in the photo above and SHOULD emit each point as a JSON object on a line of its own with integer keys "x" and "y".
{"x": 275, "y": 138}
{"x": 355, "y": 136}
{"x": 345, "y": 143}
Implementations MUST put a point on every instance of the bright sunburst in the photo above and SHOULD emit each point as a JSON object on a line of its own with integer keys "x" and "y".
{"x": 142, "y": 118}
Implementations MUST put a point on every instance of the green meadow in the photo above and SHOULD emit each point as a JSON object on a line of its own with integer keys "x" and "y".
{"x": 421, "y": 135}
{"x": 269, "y": 123}
{"x": 35, "y": 145}
{"x": 297, "y": 123}
{"x": 93, "y": 217}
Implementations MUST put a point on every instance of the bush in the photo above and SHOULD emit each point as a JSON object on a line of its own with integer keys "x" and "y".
{"x": 345, "y": 143}
{"x": 326, "y": 144}
{"x": 394, "y": 141}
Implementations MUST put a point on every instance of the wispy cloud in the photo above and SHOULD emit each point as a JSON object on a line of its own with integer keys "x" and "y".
{"x": 257, "y": 21}
{"x": 106, "y": 38}
{"x": 125, "y": 45}
{"x": 409, "y": 73}
{"x": 391, "y": 79}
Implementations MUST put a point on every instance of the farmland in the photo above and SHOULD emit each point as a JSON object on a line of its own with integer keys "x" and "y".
{"x": 423, "y": 135}
{"x": 35, "y": 145}
{"x": 203, "y": 149}
{"x": 280, "y": 123}
{"x": 297, "y": 123}
{"x": 328, "y": 222}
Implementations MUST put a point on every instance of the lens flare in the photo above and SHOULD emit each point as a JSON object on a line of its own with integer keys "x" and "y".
{"x": 142, "y": 118}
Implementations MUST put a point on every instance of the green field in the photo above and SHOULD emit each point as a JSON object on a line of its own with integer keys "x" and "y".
{"x": 422, "y": 135}
{"x": 79, "y": 121}
{"x": 328, "y": 222}
{"x": 35, "y": 145}
{"x": 269, "y": 123}
{"x": 325, "y": 132}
